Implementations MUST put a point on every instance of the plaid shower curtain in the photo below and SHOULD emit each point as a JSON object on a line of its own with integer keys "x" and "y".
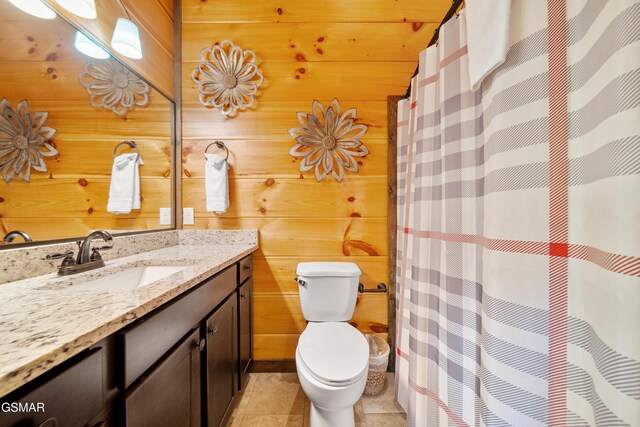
{"x": 518, "y": 297}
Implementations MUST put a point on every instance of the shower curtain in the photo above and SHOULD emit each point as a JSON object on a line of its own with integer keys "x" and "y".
{"x": 518, "y": 287}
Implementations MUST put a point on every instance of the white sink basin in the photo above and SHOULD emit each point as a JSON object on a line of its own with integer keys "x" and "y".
{"x": 130, "y": 279}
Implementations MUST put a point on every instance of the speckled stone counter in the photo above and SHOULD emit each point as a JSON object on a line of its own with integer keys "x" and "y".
{"x": 45, "y": 320}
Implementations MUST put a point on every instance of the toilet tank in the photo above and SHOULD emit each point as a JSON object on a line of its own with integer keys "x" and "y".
{"x": 328, "y": 290}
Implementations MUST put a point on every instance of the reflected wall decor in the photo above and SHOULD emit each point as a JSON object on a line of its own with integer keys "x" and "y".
{"x": 23, "y": 141}
{"x": 113, "y": 86}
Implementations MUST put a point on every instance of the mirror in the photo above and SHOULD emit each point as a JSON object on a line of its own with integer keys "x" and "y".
{"x": 55, "y": 177}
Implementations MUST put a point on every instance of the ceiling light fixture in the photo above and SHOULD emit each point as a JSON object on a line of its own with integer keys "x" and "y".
{"x": 89, "y": 48}
{"x": 126, "y": 36}
{"x": 82, "y": 8}
{"x": 35, "y": 8}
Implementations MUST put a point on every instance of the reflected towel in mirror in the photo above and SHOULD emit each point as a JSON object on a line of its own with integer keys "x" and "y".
{"x": 216, "y": 183}
{"x": 124, "y": 193}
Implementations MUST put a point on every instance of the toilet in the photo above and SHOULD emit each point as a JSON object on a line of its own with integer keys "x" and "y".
{"x": 332, "y": 357}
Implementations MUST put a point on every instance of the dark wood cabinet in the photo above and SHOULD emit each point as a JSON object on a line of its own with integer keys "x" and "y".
{"x": 169, "y": 395}
{"x": 245, "y": 331}
{"x": 179, "y": 366}
{"x": 68, "y": 396}
{"x": 221, "y": 362}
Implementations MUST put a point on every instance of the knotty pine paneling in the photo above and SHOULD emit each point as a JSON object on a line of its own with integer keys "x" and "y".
{"x": 52, "y": 199}
{"x": 294, "y": 197}
{"x": 270, "y": 121}
{"x": 315, "y": 11}
{"x": 313, "y": 41}
{"x": 360, "y": 52}
{"x": 310, "y": 237}
{"x": 349, "y": 81}
{"x": 257, "y": 158}
{"x": 91, "y": 158}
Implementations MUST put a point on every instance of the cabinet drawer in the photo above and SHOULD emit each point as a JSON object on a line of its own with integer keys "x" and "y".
{"x": 71, "y": 397}
{"x": 170, "y": 395}
{"x": 145, "y": 342}
{"x": 245, "y": 268}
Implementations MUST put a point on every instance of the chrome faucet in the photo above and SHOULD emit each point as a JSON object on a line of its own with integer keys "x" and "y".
{"x": 11, "y": 236}
{"x": 87, "y": 259}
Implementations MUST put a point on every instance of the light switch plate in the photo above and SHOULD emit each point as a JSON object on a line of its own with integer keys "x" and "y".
{"x": 187, "y": 216}
{"x": 165, "y": 216}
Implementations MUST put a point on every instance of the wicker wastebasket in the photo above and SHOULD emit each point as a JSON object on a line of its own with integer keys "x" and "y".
{"x": 378, "y": 361}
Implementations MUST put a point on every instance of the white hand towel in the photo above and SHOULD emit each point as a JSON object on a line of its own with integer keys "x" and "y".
{"x": 487, "y": 35}
{"x": 124, "y": 192}
{"x": 216, "y": 183}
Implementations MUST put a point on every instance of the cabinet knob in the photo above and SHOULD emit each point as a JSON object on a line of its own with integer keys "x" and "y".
{"x": 243, "y": 295}
{"x": 213, "y": 329}
{"x": 200, "y": 345}
{"x": 246, "y": 267}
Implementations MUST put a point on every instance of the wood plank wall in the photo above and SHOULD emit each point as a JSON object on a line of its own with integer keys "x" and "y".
{"x": 155, "y": 22}
{"x": 359, "y": 51}
{"x": 40, "y": 64}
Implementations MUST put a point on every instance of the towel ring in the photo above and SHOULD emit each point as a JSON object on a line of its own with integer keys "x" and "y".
{"x": 221, "y": 145}
{"x": 131, "y": 144}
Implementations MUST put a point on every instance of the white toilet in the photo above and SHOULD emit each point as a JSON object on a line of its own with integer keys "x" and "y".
{"x": 332, "y": 357}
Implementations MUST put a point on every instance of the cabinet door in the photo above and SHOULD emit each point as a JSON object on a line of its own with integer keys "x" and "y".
{"x": 170, "y": 395}
{"x": 245, "y": 326}
{"x": 67, "y": 397}
{"x": 221, "y": 363}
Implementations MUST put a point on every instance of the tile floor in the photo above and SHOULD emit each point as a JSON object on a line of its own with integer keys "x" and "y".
{"x": 276, "y": 399}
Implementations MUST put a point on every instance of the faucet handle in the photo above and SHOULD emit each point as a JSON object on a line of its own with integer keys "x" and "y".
{"x": 95, "y": 252}
{"x": 68, "y": 257}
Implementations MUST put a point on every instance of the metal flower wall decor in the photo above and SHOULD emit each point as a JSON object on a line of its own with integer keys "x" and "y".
{"x": 113, "y": 86}
{"x": 227, "y": 77}
{"x": 328, "y": 141}
{"x": 23, "y": 141}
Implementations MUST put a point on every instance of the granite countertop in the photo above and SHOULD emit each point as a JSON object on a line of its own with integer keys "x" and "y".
{"x": 46, "y": 320}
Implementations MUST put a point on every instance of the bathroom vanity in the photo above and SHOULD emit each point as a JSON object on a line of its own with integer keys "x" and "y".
{"x": 173, "y": 353}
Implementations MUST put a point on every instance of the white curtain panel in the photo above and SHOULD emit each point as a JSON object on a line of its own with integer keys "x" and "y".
{"x": 518, "y": 288}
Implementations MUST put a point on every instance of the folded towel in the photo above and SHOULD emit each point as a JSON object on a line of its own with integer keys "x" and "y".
{"x": 216, "y": 183}
{"x": 487, "y": 35}
{"x": 124, "y": 193}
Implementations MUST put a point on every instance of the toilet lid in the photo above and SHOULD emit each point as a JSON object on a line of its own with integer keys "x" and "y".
{"x": 334, "y": 352}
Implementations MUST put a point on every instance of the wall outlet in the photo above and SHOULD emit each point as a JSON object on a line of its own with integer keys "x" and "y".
{"x": 188, "y": 216}
{"x": 165, "y": 216}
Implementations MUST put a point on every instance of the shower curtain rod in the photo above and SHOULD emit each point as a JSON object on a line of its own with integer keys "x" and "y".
{"x": 452, "y": 11}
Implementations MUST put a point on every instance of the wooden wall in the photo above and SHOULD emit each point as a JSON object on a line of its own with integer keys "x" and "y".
{"x": 40, "y": 64}
{"x": 359, "y": 51}
{"x": 155, "y": 22}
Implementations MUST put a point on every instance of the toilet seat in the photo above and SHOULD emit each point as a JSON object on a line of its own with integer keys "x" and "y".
{"x": 334, "y": 353}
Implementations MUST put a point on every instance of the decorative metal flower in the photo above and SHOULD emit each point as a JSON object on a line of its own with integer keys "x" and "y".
{"x": 328, "y": 141}
{"x": 113, "y": 86}
{"x": 227, "y": 77}
{"x": 22, "y": 135}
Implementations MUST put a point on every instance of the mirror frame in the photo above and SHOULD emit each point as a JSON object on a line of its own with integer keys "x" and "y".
{"x": 175, "y": 128}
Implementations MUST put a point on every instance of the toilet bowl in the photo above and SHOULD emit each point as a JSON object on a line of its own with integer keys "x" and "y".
{"x": 332, "y": 360}
{"x": 332, "y": 357}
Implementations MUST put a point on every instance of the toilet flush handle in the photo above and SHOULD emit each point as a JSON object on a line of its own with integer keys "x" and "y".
{"x": 300, "y": 282}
